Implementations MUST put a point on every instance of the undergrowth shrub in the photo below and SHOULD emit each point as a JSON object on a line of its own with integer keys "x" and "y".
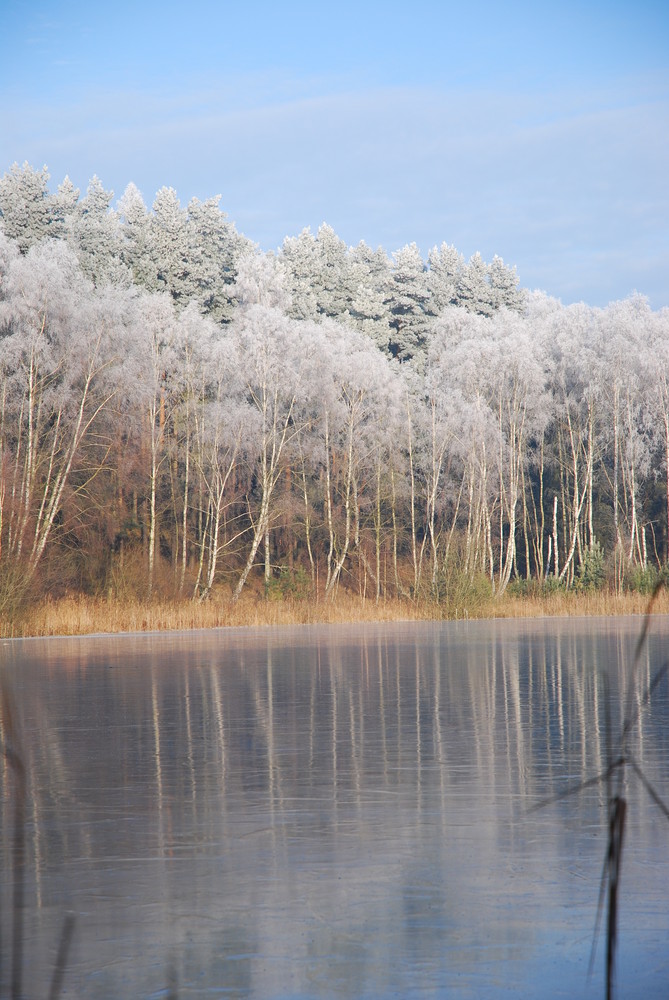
{"x": 459, "y": 594}
{"x": 16, "y": 595}
{"x": 644, "y": 579}
{"x": 290, "y": 584}
{"x": 591, "y": 574}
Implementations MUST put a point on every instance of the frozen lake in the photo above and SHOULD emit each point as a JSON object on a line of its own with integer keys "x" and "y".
{"x": 335, "y": 811}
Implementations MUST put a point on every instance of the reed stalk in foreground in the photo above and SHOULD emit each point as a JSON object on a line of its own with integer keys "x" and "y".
{"x": 617, "y": 804}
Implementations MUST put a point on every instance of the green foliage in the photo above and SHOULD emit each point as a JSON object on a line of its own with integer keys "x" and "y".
{"x": 640, "y": 579}
{"x": 289, "y": 585}
{"x": 458, "y": 594}
{"x": 591, "y": 575}
{"x": 552, "y": 585}
{"x": 644, "y": 579}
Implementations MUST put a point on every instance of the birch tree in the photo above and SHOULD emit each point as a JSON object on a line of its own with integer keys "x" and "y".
{"x": 626, "y": 330}
{"x": 442, "y": 425}
{"x": 518, "y": 388}
{"x": 657, "y": 370}
{"x": 571, "y": 344}
{"x": 57, "y": 343}
{"x": 271, "y": 354}
{"x": 224, "y": 425}
{"x": 455, "y": 353}
{"x": 358, "y": 395}
{"x": 156, "y": 387}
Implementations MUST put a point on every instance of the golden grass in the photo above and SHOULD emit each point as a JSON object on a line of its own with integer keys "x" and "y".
{"x": 84, "y": 615}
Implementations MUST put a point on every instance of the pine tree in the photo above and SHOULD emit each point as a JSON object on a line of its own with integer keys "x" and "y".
{"x": 446, "y": 265}
{"x": 333, "y": 274}
{"x": 370, "y": 280}
{"x": 504, "y": 286}
{"x": 215, "y": 249}
{"x": 136, "y": 238}
{"x": 168, "y": 228}
{"x": 94, "y": 233}
{"x": 298, "y": 256}
{"x": 408, "y": 301}
{"x": 472, "y": 288}
{"x": 27, "y": 210}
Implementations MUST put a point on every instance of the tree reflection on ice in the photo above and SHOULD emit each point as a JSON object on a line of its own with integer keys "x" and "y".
{"x": 333, "y": 811}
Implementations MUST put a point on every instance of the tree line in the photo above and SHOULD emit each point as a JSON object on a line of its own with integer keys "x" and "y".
{"x": 180, "y": 412}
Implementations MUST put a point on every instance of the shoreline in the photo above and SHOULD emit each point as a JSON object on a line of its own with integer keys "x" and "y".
{"x": 77, "y": 615}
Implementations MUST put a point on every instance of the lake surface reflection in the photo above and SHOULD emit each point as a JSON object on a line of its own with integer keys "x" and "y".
{"x": 335, "y": 811}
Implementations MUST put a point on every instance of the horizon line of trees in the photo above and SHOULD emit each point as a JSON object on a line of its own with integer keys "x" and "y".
{"x": 179, "y": 410}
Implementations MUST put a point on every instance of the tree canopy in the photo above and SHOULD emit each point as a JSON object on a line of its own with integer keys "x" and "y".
{"x": 181, "y": 411}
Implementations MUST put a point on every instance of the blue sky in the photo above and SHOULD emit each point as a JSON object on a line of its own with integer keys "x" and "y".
{"x": 536, "y": 131}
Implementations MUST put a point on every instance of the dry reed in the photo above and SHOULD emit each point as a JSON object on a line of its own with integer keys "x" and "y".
{"x": 80, "y": 615}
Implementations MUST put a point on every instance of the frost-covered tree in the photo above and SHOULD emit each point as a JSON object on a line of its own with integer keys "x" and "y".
{"x": 298, "y": 255}
{"x": 369, "y": 310}
{"x": 656, "y": 365}
{"x": 384, "y": 467}
{"x": 225, "y": 425}
{"x": 516, "y": 390}
{"x": 57, "y": 341}
{"x": 318, "y": 273}
{"x": 571, "y": 345}
{"x": 495, "y": 379}
{"x": 28, "y": 212}
{"x": 190, "y": 253}
{"x": 136, "y": 252}
{"x": 441, "y": 425}
{"x": 472, "y": 288}
{"x": 626, "y": 329}
{"x": 357, "y": 392}
{"x": 215, "y": 248}
{"x": 95, "y": 235}
{"x": 335, "y": 274}
{"x": 466, "y": 425}
{"x": 156, "y": 384}
{"x": 504, "y": 287}
{"x": 170, "y": 246}
{"x": 8, "y": 253}
{"x": 445, "y": 266}
{"x": 408, "y": 304}
{"x": 261, "y": 280}
{"x": 275, "y": 358}
{"x": 65, "y": 203}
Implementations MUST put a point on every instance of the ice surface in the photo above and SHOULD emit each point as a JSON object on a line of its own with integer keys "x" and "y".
{"x": 334, "y": 811}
